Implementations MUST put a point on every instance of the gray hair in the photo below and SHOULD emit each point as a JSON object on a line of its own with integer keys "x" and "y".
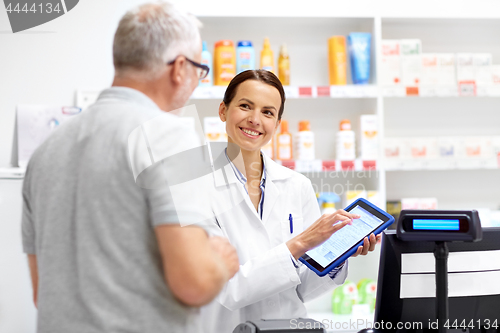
{"x": 152, "y": 34}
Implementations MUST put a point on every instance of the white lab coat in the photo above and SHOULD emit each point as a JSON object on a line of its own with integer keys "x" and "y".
{"x": 268, "y": 285}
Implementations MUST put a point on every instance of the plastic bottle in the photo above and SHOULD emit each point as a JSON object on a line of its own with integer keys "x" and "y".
{"x": 268, "y": 149}
{"x": 224, "y": 62}
{"x": 346, "y": 142}
{"x": 284, "y": 143}
{"x": 360, "y": 55}
{"x": 245, "y": 56}
{"x": 337, "y": 60}
{"x": 284, "y": 66}
{"x": 267, "y": 57}
{"x": 206, "y": 59}
{"x": 304, "y": 142}
{"x": 327, "y": 202}
{"x": 344, "y": 297}
{"x": 367, "y": 292}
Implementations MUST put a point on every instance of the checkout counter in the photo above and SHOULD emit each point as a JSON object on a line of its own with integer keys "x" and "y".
{"x": 418, "y": 289}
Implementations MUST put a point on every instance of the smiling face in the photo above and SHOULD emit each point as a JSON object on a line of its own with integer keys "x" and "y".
{"x": 252, "y": 115}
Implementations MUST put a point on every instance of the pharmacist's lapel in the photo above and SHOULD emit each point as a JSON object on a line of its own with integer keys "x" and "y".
{"x": 223, "y": 172}
{"x": 224, "y": 176}
{"x": 274, "y": 173}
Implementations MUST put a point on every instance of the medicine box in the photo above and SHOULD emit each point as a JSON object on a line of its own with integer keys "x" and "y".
{"x": 423, "y": 148}
{"x": 215, "y": 129}
{"x": 419, "y": 203}
{"x": 465, "y": 67}
{"x": 447, "y": 71}
{"x": 482, "y": 68}
{"x": 411, "y": 62}
{"x": 430, "y": 69}
{"x": 390, "y": 62}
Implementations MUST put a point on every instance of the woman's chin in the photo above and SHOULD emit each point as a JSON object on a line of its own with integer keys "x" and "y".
{"x": 248, "y": 144}
{"x": 250, "y": 148}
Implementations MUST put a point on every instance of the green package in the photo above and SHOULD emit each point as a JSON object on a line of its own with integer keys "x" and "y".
{"x": 344, "y": 297}
{"x": 367, "y": 292}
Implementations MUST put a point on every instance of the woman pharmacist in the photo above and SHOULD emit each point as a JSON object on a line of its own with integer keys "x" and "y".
{"x": 270, "y": 284}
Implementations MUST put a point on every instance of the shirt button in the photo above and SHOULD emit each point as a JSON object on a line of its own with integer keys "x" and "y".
{"x": 271, "y": 304}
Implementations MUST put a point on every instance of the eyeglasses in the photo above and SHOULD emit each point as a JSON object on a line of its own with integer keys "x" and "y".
{"x": 201, "y": 69}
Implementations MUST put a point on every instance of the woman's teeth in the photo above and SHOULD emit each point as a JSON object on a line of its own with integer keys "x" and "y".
{"x": 250, "y": 132}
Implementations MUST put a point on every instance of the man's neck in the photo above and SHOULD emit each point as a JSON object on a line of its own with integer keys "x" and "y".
{"x": 148, "y": 88}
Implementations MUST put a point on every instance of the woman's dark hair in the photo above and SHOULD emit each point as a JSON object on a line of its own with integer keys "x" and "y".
{"x": 260, "y": 75}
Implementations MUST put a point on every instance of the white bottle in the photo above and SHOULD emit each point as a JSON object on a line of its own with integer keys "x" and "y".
{"x": 369, "y": 142}
{"x": 346, "y": 149}
{"x": 304, "y": 142}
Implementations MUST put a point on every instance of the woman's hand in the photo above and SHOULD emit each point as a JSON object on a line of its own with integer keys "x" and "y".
{"x": 368, "y": 245}
{"x": 320, "y": 231}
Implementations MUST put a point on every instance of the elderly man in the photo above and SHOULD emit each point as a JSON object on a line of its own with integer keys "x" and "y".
{"x": 106, "y": 255}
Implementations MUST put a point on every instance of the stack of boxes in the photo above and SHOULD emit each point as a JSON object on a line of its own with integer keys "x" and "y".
{"x": 437, "y": 74}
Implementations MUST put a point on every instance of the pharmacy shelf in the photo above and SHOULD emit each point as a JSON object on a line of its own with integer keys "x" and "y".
{"x": 445, "y": 35}
{"x": 360, "y": 91}
{"x": 324, "y": 115}
{"x": 291, "y": 92}
{"x": 438, "y": 91}
{"x": 305, "y": 37}
{"x": 454, "y": 189}
{"x": 306, "y": 166}
{"x": 444, "y": 164}
{"x": 450, "y": 35}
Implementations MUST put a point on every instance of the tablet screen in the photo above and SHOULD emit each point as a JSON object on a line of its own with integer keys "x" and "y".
{"x": 347, "y": 237}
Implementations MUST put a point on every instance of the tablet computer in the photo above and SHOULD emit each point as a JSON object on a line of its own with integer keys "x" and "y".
{"x": 344, "y": 243}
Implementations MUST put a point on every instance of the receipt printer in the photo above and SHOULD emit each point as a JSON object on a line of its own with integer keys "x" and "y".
{"x": 302, "y": 325}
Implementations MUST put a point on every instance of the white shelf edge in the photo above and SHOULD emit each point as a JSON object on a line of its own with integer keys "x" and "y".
{"x": 12, "y": 173}
{"x": 355, "y": 91}
{"x": 301, "y": 92}
{"x": 436, "y": 169}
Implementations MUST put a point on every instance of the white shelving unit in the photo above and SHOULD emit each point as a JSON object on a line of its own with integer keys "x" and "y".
{"x": 457, "y": 187}
{"x": 399, "y": 114}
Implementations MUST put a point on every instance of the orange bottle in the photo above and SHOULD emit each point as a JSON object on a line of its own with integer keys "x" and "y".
{"x": 284, "y": 143}
{"x": 268, "y": 149}
{"x": 284, "y": 66}
{"x": 224, "y": 62}
{"x": 337, "y": 60}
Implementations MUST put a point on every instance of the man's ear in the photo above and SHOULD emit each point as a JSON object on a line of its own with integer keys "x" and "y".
{"x": 178, "y": 72}
{"x": 222, "y": 111}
